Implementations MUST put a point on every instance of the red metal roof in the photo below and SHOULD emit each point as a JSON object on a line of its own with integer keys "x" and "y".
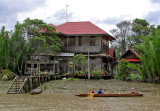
{"x": 136, "y": 59}
{"x": 135, "y": 52}
{"x": 79, "y": 28}
{"x": 132, "y": 59}
{"x": 85, "y": 27}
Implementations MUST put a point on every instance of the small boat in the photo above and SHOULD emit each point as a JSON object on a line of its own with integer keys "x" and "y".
{"x": 36, "y": 91}
{"x": 111, "y": 95}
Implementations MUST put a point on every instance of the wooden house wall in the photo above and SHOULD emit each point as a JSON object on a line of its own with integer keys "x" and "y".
{"x": 95, "y": 62}
{"x": 93, "y": 45}
{"x": 74, "y": 44}
{"x": 48, "y": 65}
{"x": 105, "y": 45}
{"x": 129, "y": 55}
{"x": 114, "y": 69}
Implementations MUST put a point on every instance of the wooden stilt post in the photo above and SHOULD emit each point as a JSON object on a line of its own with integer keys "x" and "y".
{"x": 88, "y": 66}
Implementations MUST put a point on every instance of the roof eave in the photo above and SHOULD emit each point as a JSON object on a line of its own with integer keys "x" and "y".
{"x": 110, "y": 37}
{"x": 105, "y": 35}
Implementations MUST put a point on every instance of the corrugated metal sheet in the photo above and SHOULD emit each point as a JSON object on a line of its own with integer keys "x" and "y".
{"x": 85, "y": 27}
{"x": 96, "y": 55}
{"x": 60, "y": 54}
{"x": 63, "y": 54}
{"x": 82, "y": 29}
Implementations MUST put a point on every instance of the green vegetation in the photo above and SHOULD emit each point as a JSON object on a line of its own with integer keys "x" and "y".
{"x": 29, "y": 37}
{"x": 40, "y": 41}
{"x": 80, "y": 61}
{"x": 25, "y": 39}
{"x": 134, "y": 77}
{"x": 96, "y": 73}
{"x": 123, "y": 70}
{"x": 150, "y": 57}
{"x": 1, "y": 75}
{"x": 145, "y": 39}
{"x": 129, "y": 34}
{"x": 73, "y": 79}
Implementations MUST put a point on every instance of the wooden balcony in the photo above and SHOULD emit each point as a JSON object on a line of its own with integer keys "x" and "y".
{"x": 39, "y": 62}
{"x": 82, "y": 49}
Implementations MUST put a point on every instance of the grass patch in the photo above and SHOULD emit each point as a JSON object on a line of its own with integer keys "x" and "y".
{"x": 73, "y": 78}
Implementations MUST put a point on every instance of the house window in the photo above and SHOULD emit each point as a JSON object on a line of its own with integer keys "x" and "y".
{"x": 79, "y": 41}
{"x": 92, "y": 40}
{"x": 72, "y": 41}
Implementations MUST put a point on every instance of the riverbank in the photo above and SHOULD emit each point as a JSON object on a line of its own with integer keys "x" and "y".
{"x": 69, "y": 86}
{"x": 58, "y": 95}
{"x": 108, "y": 86}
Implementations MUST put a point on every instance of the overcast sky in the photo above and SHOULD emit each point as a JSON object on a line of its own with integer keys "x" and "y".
{"x": 103, "y": 13}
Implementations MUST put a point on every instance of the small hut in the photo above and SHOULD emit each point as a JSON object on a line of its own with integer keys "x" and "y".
{"x": 133, "y": 57}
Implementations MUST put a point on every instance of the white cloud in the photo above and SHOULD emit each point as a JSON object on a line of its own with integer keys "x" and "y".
{"x": 92, "y": 10}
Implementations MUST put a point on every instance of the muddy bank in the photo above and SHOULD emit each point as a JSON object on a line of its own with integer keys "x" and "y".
{"x": 82, "y": 86}
{"x": 108, "y": 86}
{"x": 4, "y": 86}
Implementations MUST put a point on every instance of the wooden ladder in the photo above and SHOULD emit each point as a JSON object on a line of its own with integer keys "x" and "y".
{"x": 17, "y": 85}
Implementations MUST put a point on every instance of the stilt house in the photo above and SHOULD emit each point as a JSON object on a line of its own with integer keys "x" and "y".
{"x": 76, "y": 38}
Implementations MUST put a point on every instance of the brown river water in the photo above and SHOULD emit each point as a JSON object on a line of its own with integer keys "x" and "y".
{"x": 68, "y": 102}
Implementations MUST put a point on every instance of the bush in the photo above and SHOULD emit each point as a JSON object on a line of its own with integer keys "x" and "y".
{"x": 1, "y": 76}
{"x": 10, "y": 76}
{"x": 7, "y": 74}
{"x": 74, "y": 72}
{"x": 133, "y": 77}
{"x": 81, "y": 72}
{"x": 123, "y": 70}
{"x": 96, "y": 73}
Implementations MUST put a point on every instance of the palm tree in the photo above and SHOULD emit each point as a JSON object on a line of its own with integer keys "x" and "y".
{"x": 150, "y": 57}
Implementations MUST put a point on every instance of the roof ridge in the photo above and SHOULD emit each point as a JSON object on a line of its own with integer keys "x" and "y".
{"x": 72, "y": 22}
{"x": 98, "y": 27}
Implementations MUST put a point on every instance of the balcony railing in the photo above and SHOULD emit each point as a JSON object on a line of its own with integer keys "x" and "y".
{"x": 82, "y": 49}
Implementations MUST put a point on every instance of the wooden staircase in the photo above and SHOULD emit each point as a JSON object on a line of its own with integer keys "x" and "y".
{"x": 17, "y": 85}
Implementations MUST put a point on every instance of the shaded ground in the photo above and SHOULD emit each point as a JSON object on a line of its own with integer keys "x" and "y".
{"x": 82, "y": 86}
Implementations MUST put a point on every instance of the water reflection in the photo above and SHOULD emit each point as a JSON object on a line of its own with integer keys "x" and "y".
{"x": 58, "y": 102}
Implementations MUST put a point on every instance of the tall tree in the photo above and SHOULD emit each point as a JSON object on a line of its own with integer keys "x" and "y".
{"x": 28, "y": 37}
{"x": 41, "y": 36}
{"x": 2, "y": 48}
{"x": 140, "y": 28}
{"x": 33, "y": 36}
{"x": 121, "y": 34}
{"x": 19, "y": 49}
{"x": 5, "y": 48}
